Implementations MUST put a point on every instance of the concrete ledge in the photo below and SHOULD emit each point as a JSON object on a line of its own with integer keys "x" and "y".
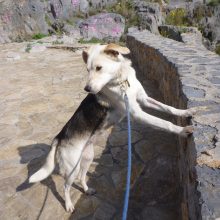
{"x": 188, "y": 76}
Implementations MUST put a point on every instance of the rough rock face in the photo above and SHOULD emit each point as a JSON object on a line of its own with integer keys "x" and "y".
{"x": 150, "y": 15}
{"x": 208, "y": 19}
{"x": 204, "y": 16}
{"x": 211, "y": 27}
{"x": 103, "y": 26}
{"x": 23, "y": 18}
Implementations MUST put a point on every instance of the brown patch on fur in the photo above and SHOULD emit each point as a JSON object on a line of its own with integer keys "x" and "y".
{"x": 116, "y": 49}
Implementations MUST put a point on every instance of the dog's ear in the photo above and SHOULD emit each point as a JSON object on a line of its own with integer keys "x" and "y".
{"x": 114, "y": 50}
{"x": 85, "y": 55}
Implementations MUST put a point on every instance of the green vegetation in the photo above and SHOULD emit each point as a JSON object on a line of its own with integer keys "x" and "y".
{"x": 213, "y": 3}
{"x": 71, "y": 21}
{"x": 165, "y": 33}
{"x": 91, "y": 41}
{"x": 57, "y": 42}
{"x": 80, "y": 15}
{"x": 217, "y": 49}
{"x": 199, "y": 13}
{"x": 48, "y": 21}
{"x": 127, "y": 10}
{"x": 93, "y": 11}
{"x": 177, "y": 17}
{"x": 98, "y": 41}
{"x": 28, "y": 48}
{"x": 39, "y": 36}
{"x": 167, "y": 1}
{"x": 155, "y": 1}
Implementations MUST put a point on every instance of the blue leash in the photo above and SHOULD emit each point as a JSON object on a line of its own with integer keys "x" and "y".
{"x": 127, "y": 192}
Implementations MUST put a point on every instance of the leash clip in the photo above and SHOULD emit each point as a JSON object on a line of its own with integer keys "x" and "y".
{"x": 123, "y": 86}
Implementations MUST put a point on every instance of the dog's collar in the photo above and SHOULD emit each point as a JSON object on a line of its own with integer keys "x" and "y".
{"x": 102, "y": 100}
{"x": 125, "y": 84}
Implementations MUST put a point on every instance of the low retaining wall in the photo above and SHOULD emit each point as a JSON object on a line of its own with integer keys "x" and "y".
{"x": 188, "y": 76}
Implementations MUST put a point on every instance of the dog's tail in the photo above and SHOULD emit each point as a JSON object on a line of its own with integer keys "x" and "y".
{"x": 48, "y": 167}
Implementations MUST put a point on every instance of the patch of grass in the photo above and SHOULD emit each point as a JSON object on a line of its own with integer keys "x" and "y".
{"x": 155, "y": 1}
{"x": 93, "y": 11}
{"x": 217, "y": 49}
{"x": 91, "y": 41}
{"x": 28, "y": 48}
{"x": 199, "y": 13}
{"x": 38, "y": 36}
{"x": 48, "y": 21}
{"x": 167, "y": 1}
{"x": 158, "y": 1}
{"x": 80, "y": 15}
{"x": 177, "y": 17}
{"x": 71, "y": 21}
{"x": 57, "y": 42}
{"x": 213, "y": 3}
{"x": 164, "y": 33}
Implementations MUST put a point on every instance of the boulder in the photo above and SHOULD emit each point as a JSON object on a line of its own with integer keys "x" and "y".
{"x": 108, "y": 26}
{"x": 171, "y": 31}
{"x": 206, "y": 17}
{"x": 84, "y": 6}
{"x": 150, "y": 15}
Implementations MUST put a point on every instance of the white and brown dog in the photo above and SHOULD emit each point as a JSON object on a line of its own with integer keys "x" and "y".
{"x": 104, "y": 106}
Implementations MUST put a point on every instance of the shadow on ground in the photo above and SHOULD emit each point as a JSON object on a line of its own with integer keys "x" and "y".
{"x": 27, "y": 155}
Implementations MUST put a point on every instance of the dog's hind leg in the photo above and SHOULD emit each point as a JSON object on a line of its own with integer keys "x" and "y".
{"x": 71, "y": 165}
{"x": 87, "y": 158}
{"x": 68, "y": 203}
{"x": 68, "y": 184}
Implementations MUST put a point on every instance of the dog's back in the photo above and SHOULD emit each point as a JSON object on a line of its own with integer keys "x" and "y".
{"x": 86, "y": 120}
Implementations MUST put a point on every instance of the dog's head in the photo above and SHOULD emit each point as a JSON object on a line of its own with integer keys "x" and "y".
{"x": 103, "y": 64}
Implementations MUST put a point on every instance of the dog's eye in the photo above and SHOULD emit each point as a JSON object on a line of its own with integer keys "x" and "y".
{"x": 98, "y": 68}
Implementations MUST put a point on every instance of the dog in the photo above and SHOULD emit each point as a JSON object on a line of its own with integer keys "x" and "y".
{"x": 110, "y": 77}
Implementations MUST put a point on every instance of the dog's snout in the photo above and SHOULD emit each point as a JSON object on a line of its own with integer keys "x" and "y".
{"x": 87, "y": 88}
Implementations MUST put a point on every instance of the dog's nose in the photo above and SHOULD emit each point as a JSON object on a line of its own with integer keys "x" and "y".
{"x": 87, "y": 88}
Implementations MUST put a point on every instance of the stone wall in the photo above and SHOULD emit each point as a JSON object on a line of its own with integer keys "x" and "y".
{"x": 188, "y": 76}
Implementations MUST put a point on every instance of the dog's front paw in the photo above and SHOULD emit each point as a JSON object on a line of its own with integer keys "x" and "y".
{"x": 187, "y": 131}
{"x": 189, "y": 112}
{"x": 69, "y": 207}
{"x": 90, "y": 191}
